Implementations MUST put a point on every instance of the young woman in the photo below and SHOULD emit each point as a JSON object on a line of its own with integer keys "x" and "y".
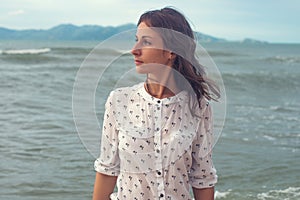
{"x": 157, "y": 135}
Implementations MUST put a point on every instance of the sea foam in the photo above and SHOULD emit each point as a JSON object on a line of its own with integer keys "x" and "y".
{"x": 25, "y": 51}
{"x": 291, "y": 193}
{"x": 221, "y": 195}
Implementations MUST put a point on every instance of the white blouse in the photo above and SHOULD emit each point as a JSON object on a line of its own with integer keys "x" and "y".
{"x": 157, "y": 147}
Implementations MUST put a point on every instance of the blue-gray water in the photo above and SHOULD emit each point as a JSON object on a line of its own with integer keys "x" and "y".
{"x": 42, "y": 157}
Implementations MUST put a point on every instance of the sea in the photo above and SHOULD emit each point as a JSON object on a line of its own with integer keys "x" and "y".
{"x": 43, "y": 155}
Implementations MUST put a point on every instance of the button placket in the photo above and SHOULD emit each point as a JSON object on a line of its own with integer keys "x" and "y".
{"x": 158, "y": 161}
{"x": 158, "y": 106}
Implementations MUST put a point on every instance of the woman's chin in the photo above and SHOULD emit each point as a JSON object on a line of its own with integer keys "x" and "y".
{"x": 147, "y": 68}
{"x": 141, "y": 69}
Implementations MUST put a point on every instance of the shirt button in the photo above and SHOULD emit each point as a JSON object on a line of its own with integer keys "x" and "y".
{"x": 158, "y": 108}
{"x": 157, "y": 129}
{"x": 157, "y": 151}
{"x": 158, "y": 172}
{"x": 158, "y": 101}
{"x": 161, "y": 195}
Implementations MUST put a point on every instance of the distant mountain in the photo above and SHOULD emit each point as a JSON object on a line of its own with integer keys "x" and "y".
{"x": 207, "y": 38}
{"x": 65, "y": 32}
{"x": 86, "y": 32}
{"x": 253, "y": 41}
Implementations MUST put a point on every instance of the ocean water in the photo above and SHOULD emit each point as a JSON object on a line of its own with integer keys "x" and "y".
{"x": 43, "y": 157}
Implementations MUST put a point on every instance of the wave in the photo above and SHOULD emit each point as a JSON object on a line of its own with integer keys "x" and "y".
{"x": 284, "y": 109}
{"x": 265, "y": 80}
{"x": 291, "y": 193}
{"x": 223, "y": 54}
{"x": 25, "y": 51}
{"x": 283, "y": 59}
{"x": 26, "y": 59}
{"x": 88, "y": 51}
{"x": 221, "y": 195}
{"x": 71, "y": 50}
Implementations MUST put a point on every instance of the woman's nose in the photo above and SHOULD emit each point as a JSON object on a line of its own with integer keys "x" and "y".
{"x": 136, "y": 50}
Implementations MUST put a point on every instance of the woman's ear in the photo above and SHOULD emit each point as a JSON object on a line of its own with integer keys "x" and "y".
{"x": 172, "y": 56}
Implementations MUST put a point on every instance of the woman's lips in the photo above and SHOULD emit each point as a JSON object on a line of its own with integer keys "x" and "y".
{"x": 138, "y": 62}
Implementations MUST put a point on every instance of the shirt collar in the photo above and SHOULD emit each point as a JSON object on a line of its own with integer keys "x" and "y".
{"x": 179, "y": 97}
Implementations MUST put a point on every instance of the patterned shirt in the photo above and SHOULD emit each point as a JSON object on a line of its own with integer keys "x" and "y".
{"x": 158, "y": 148}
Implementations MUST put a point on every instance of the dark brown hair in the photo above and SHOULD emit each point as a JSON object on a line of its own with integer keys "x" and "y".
{"x": 193, "y": 71}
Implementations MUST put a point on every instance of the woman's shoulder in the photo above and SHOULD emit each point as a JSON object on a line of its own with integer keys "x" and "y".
{"x": 202, "y": 106}
{"x": 124, "y": 92}
{"x": 204, "y": 102}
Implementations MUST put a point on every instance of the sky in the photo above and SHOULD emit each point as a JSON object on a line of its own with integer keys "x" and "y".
{"x": 275, "y": 21}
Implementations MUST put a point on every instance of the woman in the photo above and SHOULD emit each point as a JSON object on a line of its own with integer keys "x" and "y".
{"x": 157, "y": 135}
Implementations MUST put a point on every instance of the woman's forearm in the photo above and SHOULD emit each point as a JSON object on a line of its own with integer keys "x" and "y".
{"x": 104, "y": 186}
{"x": 204, "y": 194}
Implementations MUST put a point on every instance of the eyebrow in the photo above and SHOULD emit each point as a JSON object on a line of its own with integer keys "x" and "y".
{"x": 144, "y": 36}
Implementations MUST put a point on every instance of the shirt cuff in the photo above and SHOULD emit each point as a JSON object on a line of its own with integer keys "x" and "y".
{"x": 107, "y": 170}
{"x": 206, "y": 182}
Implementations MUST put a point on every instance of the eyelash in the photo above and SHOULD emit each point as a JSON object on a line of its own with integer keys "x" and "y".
{"x": 145, "y": 42}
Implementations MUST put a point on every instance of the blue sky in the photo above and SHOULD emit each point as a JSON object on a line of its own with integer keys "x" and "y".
{"x": 269, "y": 20}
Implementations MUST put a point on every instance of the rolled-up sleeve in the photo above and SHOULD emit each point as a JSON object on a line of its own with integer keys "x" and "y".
{"x": 108, "y": 162}
{"x": 202, "y": 173}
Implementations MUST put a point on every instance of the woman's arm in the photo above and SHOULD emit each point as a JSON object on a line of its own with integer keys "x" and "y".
{"x": 104, "y": 186}
{"x": 204, "y": 193}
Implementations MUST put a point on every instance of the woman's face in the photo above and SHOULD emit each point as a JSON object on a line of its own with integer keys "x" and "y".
{"x": 148, "y": 51}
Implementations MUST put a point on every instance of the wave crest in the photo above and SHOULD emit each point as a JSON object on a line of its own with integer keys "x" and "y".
{"x": 25, "y": 51}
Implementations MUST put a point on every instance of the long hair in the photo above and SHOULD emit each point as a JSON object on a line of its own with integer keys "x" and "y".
{"x": 193, "y": 71}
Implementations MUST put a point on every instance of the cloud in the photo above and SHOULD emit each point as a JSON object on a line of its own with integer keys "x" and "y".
{"x": 16, "y": 12}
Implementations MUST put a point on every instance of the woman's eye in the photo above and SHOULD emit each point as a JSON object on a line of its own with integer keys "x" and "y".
{"x": 145, "y": 42}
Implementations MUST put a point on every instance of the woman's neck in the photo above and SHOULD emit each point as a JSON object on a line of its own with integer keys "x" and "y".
{"x": 162, "y": 88}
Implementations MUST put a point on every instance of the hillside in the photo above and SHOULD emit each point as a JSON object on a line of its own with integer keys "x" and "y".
{"x": 72, "y": 32}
